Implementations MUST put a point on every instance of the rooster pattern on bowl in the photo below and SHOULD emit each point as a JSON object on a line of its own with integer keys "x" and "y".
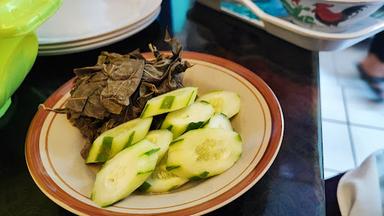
{"x": 327, "y": 15}
{"x": 324, "y": 14}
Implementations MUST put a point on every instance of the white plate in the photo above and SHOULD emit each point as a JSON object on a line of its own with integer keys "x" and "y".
{"x": 82, "y": 19}
{"x": 53, "y": 149}
{"x": 102, "y": 37}
{"x": 97, "y": 42}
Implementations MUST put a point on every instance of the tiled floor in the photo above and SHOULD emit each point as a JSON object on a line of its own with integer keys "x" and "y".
{"x": 353, "y": 125}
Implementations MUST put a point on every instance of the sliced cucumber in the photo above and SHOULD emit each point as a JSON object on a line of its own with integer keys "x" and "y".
{"x": 188, "y": 118}
{"x": 170, "y": 101}
{"x": 124, "y": 173}
{"x": 223, "y": 102}
{"x": 116, "y": 139}
{"x": 161, "y": 138}
{"x": 204, "y": 152}
{"x": 162, "y": 180}
{"x": 219, "y": 120}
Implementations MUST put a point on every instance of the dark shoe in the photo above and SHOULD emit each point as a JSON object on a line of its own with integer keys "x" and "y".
{"x": 375, "y": 83}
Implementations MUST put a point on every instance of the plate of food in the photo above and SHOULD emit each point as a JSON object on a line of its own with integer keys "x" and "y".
{"x": 160, "y": 133}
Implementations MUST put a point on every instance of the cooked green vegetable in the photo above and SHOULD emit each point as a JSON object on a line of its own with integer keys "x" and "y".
{"x": 124, "y": 173}
{"x": 170, "y": 101}
{"x": 114, "y": 140}
{"x": 188, "y": 118}
{"x": 162, "y": 180}
{"x": 219, "y": 120}
{"x": 116, "y": 89}
{"x": 161, "y": 138}
{"x": 205, "y": 152}
{"x": 225, "y": 102}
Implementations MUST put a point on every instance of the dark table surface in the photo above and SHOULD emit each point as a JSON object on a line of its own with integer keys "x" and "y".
{"x": 293, "y": 185}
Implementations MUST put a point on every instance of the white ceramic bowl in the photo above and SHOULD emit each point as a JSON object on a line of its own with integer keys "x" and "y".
{"x": 330, "y": 15}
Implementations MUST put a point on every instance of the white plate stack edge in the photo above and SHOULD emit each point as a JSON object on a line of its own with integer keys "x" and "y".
{"x": 89, "y": 24}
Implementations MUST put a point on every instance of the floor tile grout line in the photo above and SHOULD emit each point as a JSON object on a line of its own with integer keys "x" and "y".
{"x": 353, "y": 124}
{"x": 352, "y": 143}
{"x": 334, "y": 121}
{"x": 367, "y": 126}
{"x": 332, "y": 170}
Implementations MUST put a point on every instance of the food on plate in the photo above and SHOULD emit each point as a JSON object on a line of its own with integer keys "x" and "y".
{"x": 219, "y": 120}
{"x": 188, "y": 118}
{"x": 225, "y": 102}
{"x": 170, "y": 101}
{"x": 146, "y": 127}
{"x": 203, "y": 153}
{"x": 116, "y": 89}
{"x": 162, "y": 139}
{"x": 162, "y": 180}
{"x": 112, "y": 141}
{"x": 124, "y": 173}
{"x": 194, "y": 144}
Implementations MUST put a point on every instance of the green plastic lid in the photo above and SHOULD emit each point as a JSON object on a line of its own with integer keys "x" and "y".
{"x": 19, "y": 17}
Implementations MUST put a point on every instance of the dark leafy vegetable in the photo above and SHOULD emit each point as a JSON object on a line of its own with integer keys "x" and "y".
{"x": 117, "y": 88}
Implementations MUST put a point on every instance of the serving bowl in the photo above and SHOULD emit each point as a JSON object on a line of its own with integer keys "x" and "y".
{"x": 18, "y": 42}
{"x": 17, "y": 56}
{"x": 330, "y": 15}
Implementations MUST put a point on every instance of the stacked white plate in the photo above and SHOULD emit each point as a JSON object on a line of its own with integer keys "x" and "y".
{"x": 81, "y": 25}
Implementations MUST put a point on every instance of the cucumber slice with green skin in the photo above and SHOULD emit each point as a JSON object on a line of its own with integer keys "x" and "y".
{"x": 219, "y": 120}
{"x": 116, "y": 139}
{"x": 162, "y": 180}
{"x": 124, "y": 173}
{"x": 188, "y": 118}
{"x": 170, "y": 101}
{"x": 223, "y": 102}
{"x": 205, "y": 152}
{"x": 161, "y": 138}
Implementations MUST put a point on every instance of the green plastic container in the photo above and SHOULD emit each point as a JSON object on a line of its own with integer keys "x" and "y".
{"x": 18, "y": 42}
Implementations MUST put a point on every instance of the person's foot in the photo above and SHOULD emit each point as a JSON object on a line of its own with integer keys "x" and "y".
{"x": 371, "y": 70}
{"x": 373, "y": 66}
